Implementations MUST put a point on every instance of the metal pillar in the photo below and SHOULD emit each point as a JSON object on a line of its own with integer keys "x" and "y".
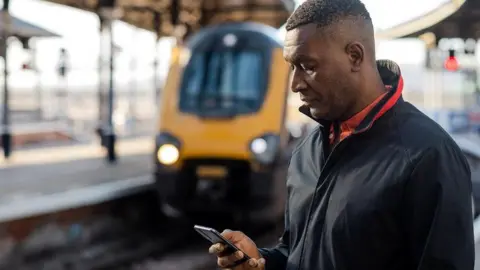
{"x": 109, "y": 132}
{"x": 132, "y": 101}
{"x": 38, "y": 80}
{"x": 156, "y": 83}
{"x": 6, "y": 129}
{"x": 62, "y": 90}
{"x": 100, "y": 94}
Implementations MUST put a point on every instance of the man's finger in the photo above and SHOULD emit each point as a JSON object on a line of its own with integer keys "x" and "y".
{"x": 256, "y": 263}
{"x": 216, "y": 248}
{"x": 253, "y": 263}
{"x": 220, "y": 250}
{"x": 230, "y": 259}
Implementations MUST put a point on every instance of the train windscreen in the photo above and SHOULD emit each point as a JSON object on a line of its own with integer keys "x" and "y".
{"x": 224, "y": 83}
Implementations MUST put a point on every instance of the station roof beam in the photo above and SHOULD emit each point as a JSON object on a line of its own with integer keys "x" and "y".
{"x": 171, "y": 17}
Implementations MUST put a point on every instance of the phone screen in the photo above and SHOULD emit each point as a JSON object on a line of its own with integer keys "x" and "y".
{"x": 215, "y": 237}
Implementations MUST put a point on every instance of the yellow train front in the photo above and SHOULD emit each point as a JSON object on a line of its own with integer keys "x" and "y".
{"x": 222, "y": 139}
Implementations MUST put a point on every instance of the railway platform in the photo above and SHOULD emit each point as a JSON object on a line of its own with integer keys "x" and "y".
{"x": 45, "y": 180}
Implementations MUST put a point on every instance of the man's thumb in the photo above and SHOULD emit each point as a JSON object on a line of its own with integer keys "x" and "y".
{"x": 233, "y": 236}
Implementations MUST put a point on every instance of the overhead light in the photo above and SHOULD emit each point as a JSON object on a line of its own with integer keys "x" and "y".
{"x": 230, "y": 40}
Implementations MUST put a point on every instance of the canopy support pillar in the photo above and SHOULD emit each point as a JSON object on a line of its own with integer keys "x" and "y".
{"x": 6, "y": 128}
{"x": 110, "y": 14}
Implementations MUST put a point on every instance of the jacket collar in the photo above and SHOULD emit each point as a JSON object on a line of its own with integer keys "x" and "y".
{"x": 391, "y": 76}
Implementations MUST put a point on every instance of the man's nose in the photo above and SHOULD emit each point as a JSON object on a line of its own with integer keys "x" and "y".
{"x": 298, "y": 84}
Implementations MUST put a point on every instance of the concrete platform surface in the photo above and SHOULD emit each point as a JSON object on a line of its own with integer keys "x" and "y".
{"x": 35, "y": 181}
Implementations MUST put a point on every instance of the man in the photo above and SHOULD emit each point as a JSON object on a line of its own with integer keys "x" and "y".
{"x": 378, "y": 185}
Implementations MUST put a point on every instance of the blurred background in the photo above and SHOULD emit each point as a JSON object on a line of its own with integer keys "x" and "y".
{"x": 126, "y": 122}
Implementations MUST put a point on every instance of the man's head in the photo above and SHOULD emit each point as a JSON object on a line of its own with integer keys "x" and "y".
{"x": 331, "y": 48}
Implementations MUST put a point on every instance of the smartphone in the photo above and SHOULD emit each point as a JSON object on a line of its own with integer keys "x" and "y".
{"x": 215, "y": 237}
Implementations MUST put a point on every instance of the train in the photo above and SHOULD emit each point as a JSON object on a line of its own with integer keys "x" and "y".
{"x": 227, "y": 123}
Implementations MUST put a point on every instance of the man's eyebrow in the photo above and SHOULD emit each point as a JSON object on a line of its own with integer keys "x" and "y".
{"x": 301, "y": 58}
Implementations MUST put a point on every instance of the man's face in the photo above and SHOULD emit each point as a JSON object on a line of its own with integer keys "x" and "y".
{"x": 322, "y": 71}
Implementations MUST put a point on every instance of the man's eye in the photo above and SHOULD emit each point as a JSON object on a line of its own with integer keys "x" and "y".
{"x": 308, "y": 68}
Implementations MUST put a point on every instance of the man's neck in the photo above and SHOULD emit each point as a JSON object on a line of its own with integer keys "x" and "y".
{"x": 372, "y": 90}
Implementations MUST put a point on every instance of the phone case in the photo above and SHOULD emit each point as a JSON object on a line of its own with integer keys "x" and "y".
{"x": 214, "y": 237}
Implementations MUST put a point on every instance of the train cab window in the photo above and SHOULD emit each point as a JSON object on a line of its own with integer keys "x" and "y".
{"x": 224, "y": 82}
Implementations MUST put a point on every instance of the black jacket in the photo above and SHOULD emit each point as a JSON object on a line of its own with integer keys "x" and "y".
{"x": 395, "y": 195}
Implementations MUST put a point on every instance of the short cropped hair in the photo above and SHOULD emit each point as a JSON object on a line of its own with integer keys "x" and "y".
{"x": 326, "y": 12}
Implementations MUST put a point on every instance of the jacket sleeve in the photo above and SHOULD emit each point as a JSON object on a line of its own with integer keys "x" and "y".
{"x": 438, "y": 211}
{"x": 276, "y": 258}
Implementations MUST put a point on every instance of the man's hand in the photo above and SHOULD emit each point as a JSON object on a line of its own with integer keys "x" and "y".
{"x": 244, "y": 243}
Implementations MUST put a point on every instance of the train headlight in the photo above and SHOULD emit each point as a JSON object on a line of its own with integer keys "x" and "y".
{"x": 259, "y": 146}
{"x": 168, "y": 154}
{"x": 168, "y": 149}
{"x": 265, "y": 148}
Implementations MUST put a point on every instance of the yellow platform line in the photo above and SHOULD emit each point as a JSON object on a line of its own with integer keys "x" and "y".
{"x": 125, "y": 147}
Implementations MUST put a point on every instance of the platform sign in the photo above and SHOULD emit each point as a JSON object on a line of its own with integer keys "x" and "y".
{"x": 474, "y": 119}
{"x": 459, "y": 121}
{"x": 459, "y": 45}
{"x": 453, "y": 121}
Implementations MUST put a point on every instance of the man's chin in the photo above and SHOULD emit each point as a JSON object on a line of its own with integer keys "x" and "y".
{"x": 318, "y": 114}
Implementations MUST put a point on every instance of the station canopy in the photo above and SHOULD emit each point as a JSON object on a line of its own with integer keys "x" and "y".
{"x": 22, "y": 29}
{"x": 451, "y": 19}
{"x": 182, "y": 17}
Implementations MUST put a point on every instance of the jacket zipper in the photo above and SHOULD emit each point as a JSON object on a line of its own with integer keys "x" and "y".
{"x": 307, "y": 226}
{"x": 316, "y": 187}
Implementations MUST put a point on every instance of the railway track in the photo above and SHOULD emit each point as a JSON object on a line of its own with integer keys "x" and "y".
{"x": 194, "y": 256}
{"x": 126, "y": 234}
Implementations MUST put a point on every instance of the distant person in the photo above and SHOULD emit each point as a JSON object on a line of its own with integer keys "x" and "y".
{"x": 63, "y": 62}
{"x": 377, "y": 185}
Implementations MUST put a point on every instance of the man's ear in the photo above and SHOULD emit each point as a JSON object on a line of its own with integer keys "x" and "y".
{"x": 356, "y": 55}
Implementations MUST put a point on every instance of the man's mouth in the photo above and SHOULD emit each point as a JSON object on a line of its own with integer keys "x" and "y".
{"x": 308, "y": 102}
